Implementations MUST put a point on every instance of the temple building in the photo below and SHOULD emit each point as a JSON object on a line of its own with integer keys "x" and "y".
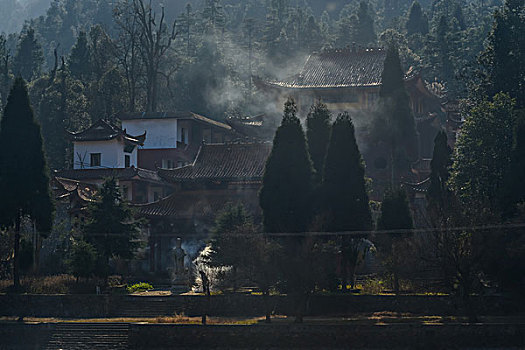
{"x": 173, "y": 137}
{"x": 221, "y": 173}
{"x": 347, "y": 79}
{"x": 105, "y": 150}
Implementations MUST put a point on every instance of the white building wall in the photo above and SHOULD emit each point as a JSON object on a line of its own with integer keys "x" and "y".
{"x": 161, "y": 133}
{"x": 112, "y": 154}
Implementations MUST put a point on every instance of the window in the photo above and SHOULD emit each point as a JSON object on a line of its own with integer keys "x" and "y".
{"x": 168, "y": 164}
{"x": 95, "y": 159}
{"x": 127, "y": 161}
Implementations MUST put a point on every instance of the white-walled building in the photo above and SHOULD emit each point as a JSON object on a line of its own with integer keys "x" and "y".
{"x": 105, "y": 150}
{"x": 173, "y": 137}
{"x": 104, "y": 145}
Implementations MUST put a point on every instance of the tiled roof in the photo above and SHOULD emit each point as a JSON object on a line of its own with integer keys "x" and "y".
{"x": 421, "y": 187}
{"x": 225, "y": 161}
{"x": 64, "y": 188}
{"x": 339, "y": 68}
{"x": 102, "y": 173}
{"x": 173, "y": 115}
{"x": 192, "y": 205}
{"x": 104, "y": 131}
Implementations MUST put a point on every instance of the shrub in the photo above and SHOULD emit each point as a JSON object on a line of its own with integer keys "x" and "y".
{"x": 139, "y": 287}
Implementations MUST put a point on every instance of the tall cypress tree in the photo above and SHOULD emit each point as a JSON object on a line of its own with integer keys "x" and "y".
{"x": 79, "y": 62}
{"x": 395, "y": 212}
{"x": 394, "y": 123}
{"x": 440, "y": 171}
{"x": 24, "y": 179}
{"x": 344, "y": 189}
{"x": 318, "y": 135}
{"x": 29, "y": 57}
{"x": 365, "y": 33}
{"x": 395, "y": 215}
{"x": 288, "y": 177}
{"x": 417, "y": 22}
{"x": 345, "y": 201}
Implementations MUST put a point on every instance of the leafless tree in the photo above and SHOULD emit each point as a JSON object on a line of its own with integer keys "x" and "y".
{"x": 155, "y": 38}
{"x": 128, "y": 56}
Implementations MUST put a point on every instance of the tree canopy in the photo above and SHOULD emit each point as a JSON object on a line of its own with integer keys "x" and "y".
{"x": 288, "y": 178}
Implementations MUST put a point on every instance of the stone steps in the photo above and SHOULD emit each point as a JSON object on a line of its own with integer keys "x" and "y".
{"x": 89, "y": 336}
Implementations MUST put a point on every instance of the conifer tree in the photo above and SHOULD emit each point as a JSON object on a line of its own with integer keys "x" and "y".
{"x": 318, "y": 135}
{"x": 395, "y": 212}
{"x": 4, "y": 70}
{"x": 287, "y": 181}
{"x": 24, "y": 179}
{"x": 395, "y": 215}
{"x": 417, "y": 22}
{"x": 110, "y": 227}
{"x": 440, "y": 171}
{"x": 364, "y": 33}
{"x": 346, "y": 199}
{"x": 394, "y": 124}
{"x": 29, "y": 57}
{"x": 482, "y": 153}
{"x": 513, "y": 191}
{"x": 63, "y": 108}
{"x": 458, "y": 16}
{"x": 79, "y": 62}
{"x": 443, "y": 40}
{"x": 503, "y": 60}
{"x": 229, "y": 246}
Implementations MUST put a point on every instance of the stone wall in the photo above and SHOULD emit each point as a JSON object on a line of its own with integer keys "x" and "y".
{"x": 327, "y": 336}
{"x": 83, "y": 306}
{"x": 166, "y": 336}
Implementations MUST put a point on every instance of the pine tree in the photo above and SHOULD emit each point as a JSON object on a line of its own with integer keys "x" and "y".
{"x": 287, "y": 181}
{"x": 344, "y": 189}
{"x": 24, "y": 179}
{"x": 110, "y": 227}
{"x": 458, "y": 16}
{"x": 29, "y": 57}
{"x": 443, "y": 39}
{"x": 365, "y": 34}
{"x": 230, "y": 245}
{"x": 417, "y": 22}
{"x": 79, "y": 62}
{"x": 394, "y": 124}
{"x": 318, "y": 135}
{"x": 503, "y": 60}
{"x": 440, "y": 172}
{"x": 63, "y": 108}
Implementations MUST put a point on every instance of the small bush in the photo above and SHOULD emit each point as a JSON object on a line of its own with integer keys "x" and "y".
{"x": 139, "y": 287}
{"x": 373, "y": 286}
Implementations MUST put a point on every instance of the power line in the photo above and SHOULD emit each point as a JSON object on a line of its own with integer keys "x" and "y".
{"x": 364, "y": 233}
